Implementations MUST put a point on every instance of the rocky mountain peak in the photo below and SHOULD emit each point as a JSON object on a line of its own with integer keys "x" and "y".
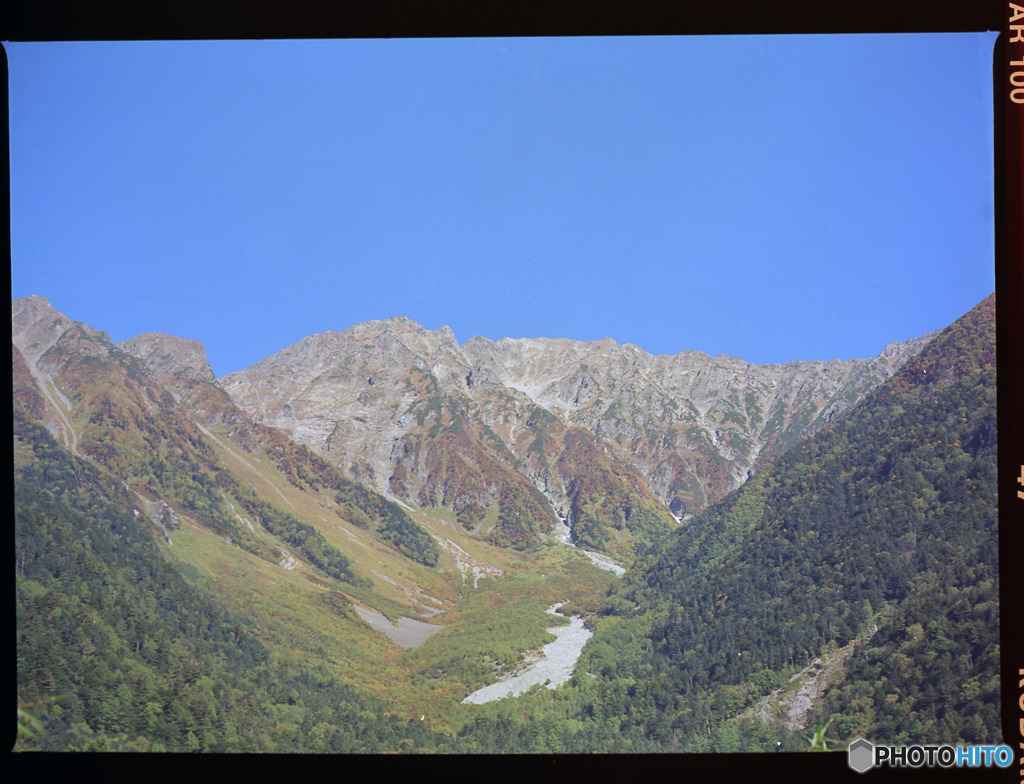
{"x": 170, "y": 355}
{"x": 36, "y": 324}
{"x": 411, "y": 335}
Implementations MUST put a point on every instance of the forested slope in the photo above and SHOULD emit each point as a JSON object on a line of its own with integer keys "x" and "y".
{"x": 879, "y": 531}
{"x": 889, "y": 519}
{"x": 117, "y": 652}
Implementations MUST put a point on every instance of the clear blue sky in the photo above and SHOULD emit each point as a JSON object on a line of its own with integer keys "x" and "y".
{"x": 770, "y": 198}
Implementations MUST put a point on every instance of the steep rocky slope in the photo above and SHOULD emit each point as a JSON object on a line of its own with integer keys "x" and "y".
{"x": 609, "y": 434}
{"x": 519, "y": 438}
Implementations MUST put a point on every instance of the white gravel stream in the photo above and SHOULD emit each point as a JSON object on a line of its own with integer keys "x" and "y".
{"x": 551, "y": 667}
{"x": 600, "y": 561}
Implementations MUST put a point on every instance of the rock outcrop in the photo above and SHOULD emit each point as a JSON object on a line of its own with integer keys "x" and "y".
{"x": 170, "y": 357}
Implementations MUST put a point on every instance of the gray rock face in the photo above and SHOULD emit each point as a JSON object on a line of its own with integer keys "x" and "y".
{"x": 373, "y": 397}
{"x": 652, "y": 410}
{"x": 36, "y": 325}
{"x": 168, "y": 355}
{"x": 349, "y": 394}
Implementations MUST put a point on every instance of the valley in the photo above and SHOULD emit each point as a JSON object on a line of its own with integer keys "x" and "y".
{"x": 481, "y": 597}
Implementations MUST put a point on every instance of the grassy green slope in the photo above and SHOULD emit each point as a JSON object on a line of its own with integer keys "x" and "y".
{"x": 116, "y": 651}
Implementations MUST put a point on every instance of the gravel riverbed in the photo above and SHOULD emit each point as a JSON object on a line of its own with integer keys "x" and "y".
{"x": 551, "y": 667}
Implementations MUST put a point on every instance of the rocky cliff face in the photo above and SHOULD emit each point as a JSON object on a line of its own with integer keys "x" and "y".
{"x": 411, "y": 412}
{"x": 169, "y": 357}
{"x": 36, "y": 325}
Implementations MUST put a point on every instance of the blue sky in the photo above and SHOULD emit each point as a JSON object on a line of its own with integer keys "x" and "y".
{"x": 770, "y": 198}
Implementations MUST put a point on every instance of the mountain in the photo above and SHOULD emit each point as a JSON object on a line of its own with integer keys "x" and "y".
{"x": 873, "y": 542}
{"x": 148, "y": 565}
{"x": 189, "y": 577}
{"x": 511, "y": 434}
{"x": 149, "y": 423}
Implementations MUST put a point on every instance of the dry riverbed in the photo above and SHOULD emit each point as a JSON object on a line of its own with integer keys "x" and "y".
{"x": 551, "y": 667}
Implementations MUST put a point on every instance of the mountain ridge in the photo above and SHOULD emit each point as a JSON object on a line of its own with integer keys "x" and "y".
{"x": 503, "y": 433}
{"x": 885, "y": 526}
{"x": 695, "y": 427}
{"x": 142, "y": 409}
